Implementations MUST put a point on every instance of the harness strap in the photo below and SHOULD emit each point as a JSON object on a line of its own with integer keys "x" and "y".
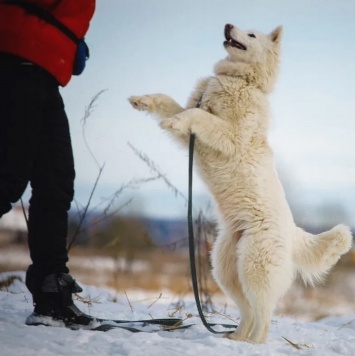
{"x": 45, "y": 15}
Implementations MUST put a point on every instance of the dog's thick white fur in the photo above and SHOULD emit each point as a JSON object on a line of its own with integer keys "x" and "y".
{"x": 259, "y": 249}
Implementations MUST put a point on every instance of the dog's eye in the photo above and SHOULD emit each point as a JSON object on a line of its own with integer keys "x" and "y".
{"x": 251, "y": 35}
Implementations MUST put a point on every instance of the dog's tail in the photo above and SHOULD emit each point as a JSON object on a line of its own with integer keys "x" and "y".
{"x": 315, "y": 255}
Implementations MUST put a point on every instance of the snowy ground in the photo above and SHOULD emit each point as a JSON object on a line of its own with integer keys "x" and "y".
{"x": 329, "y": 336}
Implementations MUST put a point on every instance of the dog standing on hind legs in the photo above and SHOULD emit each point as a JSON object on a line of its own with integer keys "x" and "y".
{"x": 259, "y": 249}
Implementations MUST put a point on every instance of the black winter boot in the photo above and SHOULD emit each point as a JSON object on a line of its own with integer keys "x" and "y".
{"x": 54, "y": 305}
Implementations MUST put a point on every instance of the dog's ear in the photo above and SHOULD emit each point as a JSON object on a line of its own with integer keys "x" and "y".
{"x": 276, "y": 34}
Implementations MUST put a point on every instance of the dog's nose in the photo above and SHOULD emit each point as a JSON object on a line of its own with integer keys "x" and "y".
{"x": 227, "y": 29}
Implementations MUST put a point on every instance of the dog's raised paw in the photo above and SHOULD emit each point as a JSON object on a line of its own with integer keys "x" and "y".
{"x": 179, "y": 123}
{"x": 173, "y": 124}
{"x": 140, "y": 103}
{"x": 167, "y": 124}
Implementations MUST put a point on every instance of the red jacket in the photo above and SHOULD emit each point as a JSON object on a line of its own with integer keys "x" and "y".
{"x": 27, "y": 36}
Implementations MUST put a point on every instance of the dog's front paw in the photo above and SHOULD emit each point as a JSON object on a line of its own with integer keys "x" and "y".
{"x": 175, "y": 124}
{"x": 141, "y": 103}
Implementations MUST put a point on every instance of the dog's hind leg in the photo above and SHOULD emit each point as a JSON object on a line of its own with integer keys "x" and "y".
{"x": 263, "y": 310}
{"x": 246, "y": 318}
{"x": 224, "y": 263}
{"x": 266, "y": 272}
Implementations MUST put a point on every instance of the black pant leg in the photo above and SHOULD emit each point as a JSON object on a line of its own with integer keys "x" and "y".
{"x": 35, "y": 146}
{"x": 21, "y": 103}
{"x": 52, "y": 182}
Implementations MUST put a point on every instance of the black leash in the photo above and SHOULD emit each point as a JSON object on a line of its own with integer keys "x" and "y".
{"x": 192, "y": 247}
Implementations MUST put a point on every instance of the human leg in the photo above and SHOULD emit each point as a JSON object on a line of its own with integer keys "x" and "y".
{"x": 20, "y": 121}
{"x": 52, "y": 182}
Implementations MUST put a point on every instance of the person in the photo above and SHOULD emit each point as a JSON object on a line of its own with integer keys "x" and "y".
{"x": 36, "y": 58}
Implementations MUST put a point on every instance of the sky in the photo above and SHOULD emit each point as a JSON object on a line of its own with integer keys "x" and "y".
{"x": 329, "y": 336}
{"x": 141, "y": 47}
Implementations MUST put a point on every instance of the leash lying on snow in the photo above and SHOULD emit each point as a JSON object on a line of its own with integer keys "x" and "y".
{"x": 135, "y": 326}
{"x": 192, "y": 248}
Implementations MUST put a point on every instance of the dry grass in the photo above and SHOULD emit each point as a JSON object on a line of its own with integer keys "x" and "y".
{"x": 166, "y": 270}
{"x": 6, "y": 283}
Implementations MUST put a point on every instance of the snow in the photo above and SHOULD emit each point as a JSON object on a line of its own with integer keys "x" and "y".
{"x": 334, "y": 335}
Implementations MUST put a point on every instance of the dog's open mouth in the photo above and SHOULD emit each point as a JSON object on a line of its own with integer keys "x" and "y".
{"x": 230, "y": 41}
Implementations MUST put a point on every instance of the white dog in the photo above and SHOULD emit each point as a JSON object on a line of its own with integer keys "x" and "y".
{"x": 259, "y": 249}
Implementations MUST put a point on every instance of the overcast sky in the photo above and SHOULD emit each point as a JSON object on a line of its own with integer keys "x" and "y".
{"x": 140, "y": 47}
